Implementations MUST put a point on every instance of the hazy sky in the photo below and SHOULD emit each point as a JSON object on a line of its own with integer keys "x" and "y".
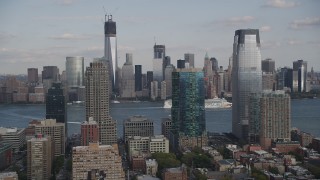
{"x": 36, "y": 33}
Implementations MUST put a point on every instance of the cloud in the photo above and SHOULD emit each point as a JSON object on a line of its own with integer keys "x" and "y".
{"x": 60, "y": 18}
{"x": 69, "y": 36}
{"x": 280, "y": 4}
{"x": 265, "y": 29}
{"x": 269, "y": 44}
{"x": 292, "y": 42}
{"x": 305, "y": 23}
{"x": 314, "y": 43}
{"x": 65, "y": 2}
{"x": 238, "y": 20}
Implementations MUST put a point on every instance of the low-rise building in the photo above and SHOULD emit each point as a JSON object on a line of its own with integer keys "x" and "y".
{"x": 225, "y": 164}
{"x": 8, "y": 176}
{"x": 101, "y": 158}
{"x": 5, "y": 155}
{"x": 151, "y": 167}
{"x": 138, "y": 126}
{"x": 179, "y": 173}
{"x": 138, "y": 144}
{"x": 14, "y": 136}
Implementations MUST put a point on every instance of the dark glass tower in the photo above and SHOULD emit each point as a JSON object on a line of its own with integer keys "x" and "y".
{"x": 138, "y": 77}
{"x": 300, "y": 75}
{"x": 56, "y": 104}
{"x": 188, "y": 111}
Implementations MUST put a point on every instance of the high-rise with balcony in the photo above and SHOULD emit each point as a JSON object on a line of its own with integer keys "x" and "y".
{"x": 39, "y": 157}
{"x": 97, "y": 101}
{"x": 49, "y": 127}
{"x": 188, "y": 111}
{"x": 246, "y": 78}
{"x": 269, "y": 117}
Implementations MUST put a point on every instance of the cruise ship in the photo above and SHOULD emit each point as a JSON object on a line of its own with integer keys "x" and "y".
{"x": 209, "y": 103}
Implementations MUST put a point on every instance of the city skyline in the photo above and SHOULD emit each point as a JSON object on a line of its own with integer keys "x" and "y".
{"x": 289, "y": 31}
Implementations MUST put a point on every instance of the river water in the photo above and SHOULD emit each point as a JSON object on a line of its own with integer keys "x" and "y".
{"x": 305, "y": 115}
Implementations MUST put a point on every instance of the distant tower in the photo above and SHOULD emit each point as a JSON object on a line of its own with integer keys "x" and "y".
{"x": 268, "y": 74}
{"x": 246, "y": 78}
{"x": 138, "y": 77}
{"x": 97, "y": 101}
{"x": 75, "y": 76}
{"x": 33, "y": 78}
{"x": 56, "y": 105}
{"x": 50, "y": 72}
{"x": 159, "y": 55}
{"x": 214, "y": 63}
{"x": 187, "y": 112}
{"x": 110, "y": 50}
{"x": 189, "y": 58}
{"x": 300, "y": 75}
{"x": 127, "y": 79}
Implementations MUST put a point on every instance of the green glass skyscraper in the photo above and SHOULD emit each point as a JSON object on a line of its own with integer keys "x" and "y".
{"x": 188, "y": 111}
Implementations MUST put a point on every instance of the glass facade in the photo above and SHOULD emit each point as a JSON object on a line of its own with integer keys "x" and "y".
{"x": 75, "y": 71}
{"x": 110, "y": 50}
{"x": 246, "y": 78}
{"x": 188, "y": 112}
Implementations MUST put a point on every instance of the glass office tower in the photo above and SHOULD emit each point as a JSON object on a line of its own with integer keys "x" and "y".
{"x": 188, "y": 112}
{"x": 110, "y": 50}
{"x": 75, "y": 71}
{"x": 246, "y": 78}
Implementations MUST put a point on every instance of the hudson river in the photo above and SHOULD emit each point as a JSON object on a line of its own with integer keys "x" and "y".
{"x": 305, "y": 115}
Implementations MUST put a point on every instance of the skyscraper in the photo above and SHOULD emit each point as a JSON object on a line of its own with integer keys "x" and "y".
{"x": 189, "y": 58}
{"x": 75, "y": 71}
{"x": 284, "y": 78}
{"x": 268, "y": 65}
{"x": 97, "y": 101}
{"x": 75, "y": 77}
{"x": 56, "y": 105}
{"x": 33, "y": 78}
{"x": 188, "y": 112}
{"x": 49, "y": 127}
{"x": 214, "y": 63}
{"x": 138, "y": 77}
{"x": 168, "y": 79}
{"x": 300, "y": 75}
{"x": 159, "y": 55}
{"x": 50, "y": 72}
{"x": 39, "y": 157}
{"x": 270, "y": 117}
{"x": 110, "y": 50}
{"x": 246, "y": 78}
{"x": 127, "y": 79}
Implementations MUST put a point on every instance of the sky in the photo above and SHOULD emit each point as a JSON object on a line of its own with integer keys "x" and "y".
{"x": 37, "y": 33}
